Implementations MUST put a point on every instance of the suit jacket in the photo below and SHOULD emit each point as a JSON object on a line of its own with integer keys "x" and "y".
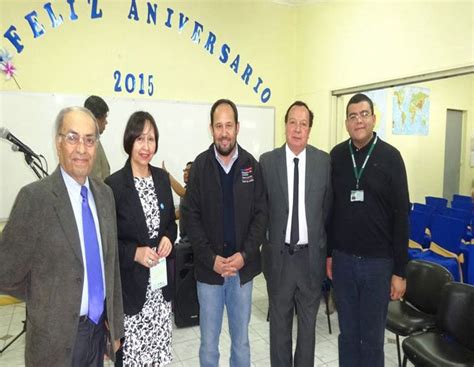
{"x": 133, "y": 232}
{"x": 318, "y": 199}
{"x": 40, "y": 253}
{"x": 101, "y": 168}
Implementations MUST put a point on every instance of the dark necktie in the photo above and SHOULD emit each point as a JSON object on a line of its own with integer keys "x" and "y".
{"x": 93, "y": 264}
{"x": 295, "y": 228}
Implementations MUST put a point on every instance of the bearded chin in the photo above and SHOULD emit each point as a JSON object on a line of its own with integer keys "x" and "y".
{"x": 223, "y": 152}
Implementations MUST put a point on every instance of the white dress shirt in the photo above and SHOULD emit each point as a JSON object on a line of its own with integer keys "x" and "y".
{"x": 227, "y": 167}
{"x": 290, "y": 169}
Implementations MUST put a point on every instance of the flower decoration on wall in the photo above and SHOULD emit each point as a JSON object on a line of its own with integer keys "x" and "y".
{"x": 7, "y": 67}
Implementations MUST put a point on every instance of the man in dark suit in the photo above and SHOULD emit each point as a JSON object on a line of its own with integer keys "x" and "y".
{"x": 59, "y": 248}
{"x": 298, "y": 188}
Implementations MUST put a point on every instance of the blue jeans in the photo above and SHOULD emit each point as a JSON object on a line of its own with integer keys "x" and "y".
{"x": 237, "y": 299}
{"x": 362, "y": 293}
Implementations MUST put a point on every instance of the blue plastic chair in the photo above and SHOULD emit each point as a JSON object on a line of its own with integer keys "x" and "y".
{"x": 423, "y": 207}
{"x": 464, "y": 203}
{"x": 419, "y": 222}
{"x": 463, "y": 215}
{"x": 459, "y": 213}
{"x": 438, "y": 203}
{"x": 468, "y": 266}
{"x": 463, "y": 198}
{"x": 447, "y": 234}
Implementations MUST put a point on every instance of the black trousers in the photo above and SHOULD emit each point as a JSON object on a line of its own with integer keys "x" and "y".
{"x": 89, "y": 348}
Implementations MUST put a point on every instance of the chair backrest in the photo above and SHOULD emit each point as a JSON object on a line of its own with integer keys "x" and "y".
{"x": 425, "y": 280}
{"x": 423, "y": 207}
{"x": 463, "y": 205}
{"x": 461, "y": 214}
{"x": 419, "y": 221}
{"x": 439, "y": 203}
{"x": 462, "y": 198}
{"x": 455, "y": 315}
{"x": 447, "y": 232}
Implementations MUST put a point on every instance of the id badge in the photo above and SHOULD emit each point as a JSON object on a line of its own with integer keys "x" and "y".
{"x": 357, "y": 195}
{"x": 158, "y": 275}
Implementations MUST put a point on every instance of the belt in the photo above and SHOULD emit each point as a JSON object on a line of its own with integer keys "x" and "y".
{"x": 83, "y": 319}
{"x": 295, "y": 248}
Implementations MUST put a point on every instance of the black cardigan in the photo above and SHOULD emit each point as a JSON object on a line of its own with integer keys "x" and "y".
{"x": 379, "y": 225}
{"x": 133, "y": 232}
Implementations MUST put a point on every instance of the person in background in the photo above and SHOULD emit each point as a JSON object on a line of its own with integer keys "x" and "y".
{"x": 146, "y": 233}
{"x": 224, "y": 210}
{"x": 297, "y": 179}
{"x": 180, "y": 191}
{"x": 368, "y": 235}
{"x": 99, "y": 109}
{"x": 59, "y": 249}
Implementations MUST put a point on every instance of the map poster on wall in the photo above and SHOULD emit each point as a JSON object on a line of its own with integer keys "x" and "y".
{"x": 379, "y": 97}
{"x": 411, "y": 111}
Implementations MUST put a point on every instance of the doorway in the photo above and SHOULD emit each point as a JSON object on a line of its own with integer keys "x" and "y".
{"x": 452, "y": 154}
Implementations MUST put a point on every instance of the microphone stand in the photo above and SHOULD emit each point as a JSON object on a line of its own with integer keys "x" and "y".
{"x": 23, "y": 330}
{"x": 35, "y": 166}
{"x": 40, "y": 172}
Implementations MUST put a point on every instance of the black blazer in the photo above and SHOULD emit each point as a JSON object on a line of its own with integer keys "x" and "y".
{"x": 133, "y": 232}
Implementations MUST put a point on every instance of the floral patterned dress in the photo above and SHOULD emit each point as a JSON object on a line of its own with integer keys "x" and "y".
{"x": 148, "y": 333}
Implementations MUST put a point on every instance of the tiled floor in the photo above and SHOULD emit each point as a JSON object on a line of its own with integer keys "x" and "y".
{"x": 186, "y": 340}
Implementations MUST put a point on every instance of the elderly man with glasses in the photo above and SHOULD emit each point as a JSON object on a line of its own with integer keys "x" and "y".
{"x": 59, "y": 248}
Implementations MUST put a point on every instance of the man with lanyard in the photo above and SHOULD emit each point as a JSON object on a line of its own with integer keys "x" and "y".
{"x": 368, "y": 235}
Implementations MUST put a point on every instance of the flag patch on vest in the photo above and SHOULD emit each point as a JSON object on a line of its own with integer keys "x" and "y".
{"x": 247, "y": 175}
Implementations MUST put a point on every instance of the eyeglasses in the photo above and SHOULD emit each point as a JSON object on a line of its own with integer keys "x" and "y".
{"x": 354, "y": 117}
{"x": 303, "y": 125}
{"x": 74, "y": 139}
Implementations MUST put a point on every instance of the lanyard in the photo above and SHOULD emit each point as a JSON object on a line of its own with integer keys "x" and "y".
{"x": 358, "y": 173}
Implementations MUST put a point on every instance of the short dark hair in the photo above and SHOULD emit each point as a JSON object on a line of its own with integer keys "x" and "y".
{"x": 134, "y": 128}
{"x": 302, "y": 104}
{"x": 360, "y": 97}
{"x": 189, "y": 163}
{"x": 224, "y": 101}
{"x": 97, "y": 106}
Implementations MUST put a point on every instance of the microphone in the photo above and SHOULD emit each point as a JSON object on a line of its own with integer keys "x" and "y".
{"x": 7, "y": 135}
